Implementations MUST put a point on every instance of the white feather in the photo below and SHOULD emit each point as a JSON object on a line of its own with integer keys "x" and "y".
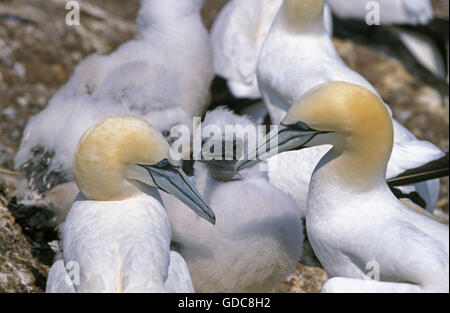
{"x": 119, "y": 246}
{"x": 257, "y": 239}
{"x": 238, "y": 34}
{"x": 391, "y": 11}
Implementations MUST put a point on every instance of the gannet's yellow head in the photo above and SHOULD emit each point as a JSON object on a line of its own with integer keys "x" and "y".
{"x": 302, "y": 12}
{"x": 345, "y": 108}
{"x": 106, "y": 151}
{"x": 123, "y": 156}
{"x": 351, "y": 118}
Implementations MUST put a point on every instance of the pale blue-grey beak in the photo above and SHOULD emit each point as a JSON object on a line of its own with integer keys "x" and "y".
{"x": 174, "y": 181}
{"x": 292, "y": 137}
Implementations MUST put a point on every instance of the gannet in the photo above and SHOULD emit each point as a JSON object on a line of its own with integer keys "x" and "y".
{"x": 170, "y": 64}
{"x": 116, "y": 237}
{"x": 258, "y": 238}
{"x": 297, "y": 56}
{"x": 356, "y": 226}
{"x": 237, "y": 36}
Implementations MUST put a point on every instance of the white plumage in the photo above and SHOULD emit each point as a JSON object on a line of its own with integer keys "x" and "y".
{"x": 116, "y": 237}
{"x": 399, "y": 12}
{"x": 366, "y": 239}
{"x": 237, "y": 36}
{"x": 258, "y": 237}
{"x": 163, "y": 76}
{"x": 119, "y": 246}
{"x": 313, "y": 60}
{"x": 391, "y": 11}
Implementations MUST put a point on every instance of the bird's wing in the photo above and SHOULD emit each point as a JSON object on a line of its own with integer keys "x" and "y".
{"x": 231, "y": 46}
{"x": 57, "y": 281}
{"x": 411, "y": 154}
{"x": 237, "y": 36}
{"x": 178, "y": 279}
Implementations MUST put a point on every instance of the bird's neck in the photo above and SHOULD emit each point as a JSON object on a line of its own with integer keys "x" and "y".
{"x": 358, "y": 163}
{"x": 301, "y": 16}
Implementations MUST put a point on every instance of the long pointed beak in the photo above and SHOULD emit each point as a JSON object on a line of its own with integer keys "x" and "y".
{"x": 174, "y": 181}
{"x": 288, "y": 138}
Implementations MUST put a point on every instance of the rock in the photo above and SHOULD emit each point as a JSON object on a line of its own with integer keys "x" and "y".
{"x": 19, "y": 270}
{"x": 305, "y": 279}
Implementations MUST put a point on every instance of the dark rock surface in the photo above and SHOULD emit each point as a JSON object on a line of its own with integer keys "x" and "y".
{"x": 19, "y": 270}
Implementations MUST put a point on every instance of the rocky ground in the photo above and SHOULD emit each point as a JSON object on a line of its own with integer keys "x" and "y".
{"x": 38, "y": 52}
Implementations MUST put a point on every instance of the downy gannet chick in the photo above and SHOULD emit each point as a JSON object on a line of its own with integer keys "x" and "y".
{"x": 353, "y": 220}
{"x": 171, "y": 63}
{"x": 297, "y": 56}
{"x": 117, "y": 232}
{"x": 258, "y": 237}
{"x": 237, "y": 36}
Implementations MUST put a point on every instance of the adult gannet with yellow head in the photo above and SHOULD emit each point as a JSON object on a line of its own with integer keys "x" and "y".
{"x": 117, "y": 231}
{"x": 353, "y": 220}
{"x": 170, "y": 62}
{"x": 299, "y": 35}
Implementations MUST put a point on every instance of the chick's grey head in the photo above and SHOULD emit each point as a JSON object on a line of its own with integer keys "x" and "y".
{"x": 226, "y": 138}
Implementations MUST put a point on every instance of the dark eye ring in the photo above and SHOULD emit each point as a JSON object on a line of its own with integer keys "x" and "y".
{"x": 303, "y": 126}
{"x": 162, "y": 164}
{"x": 166, "y": 133}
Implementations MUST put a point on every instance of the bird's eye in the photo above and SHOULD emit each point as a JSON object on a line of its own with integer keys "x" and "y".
{"x": 166, "y": 133}
{"x": 303, "y": 126}
{"x": 162, "y": 164}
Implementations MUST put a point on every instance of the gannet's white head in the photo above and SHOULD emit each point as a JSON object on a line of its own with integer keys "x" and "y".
{"x": 295, "y": 14}
{"x": 122, "y": 157}
{"x": 352, "y": 119}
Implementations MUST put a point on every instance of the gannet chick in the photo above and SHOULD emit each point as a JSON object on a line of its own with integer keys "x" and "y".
{"x": 170, "y": 63}
{"x": 258, "y": 237}
{"x": 298, "y": 35}
{"x": 237, "y": 36}
{"x": 117, "y": 231}
{"x": 354, "y": 222}
{"x": 391, "y": 11}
